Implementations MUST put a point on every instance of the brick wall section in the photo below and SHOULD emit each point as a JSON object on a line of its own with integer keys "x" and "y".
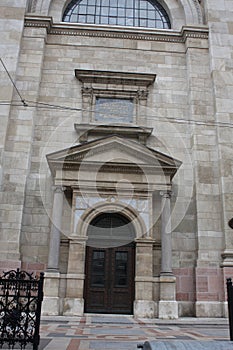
{"x": 36, "y": 268}
{"x": 185, "y": 284}
{"x": 202, "y": 284}
{"x": 209, "y": 284}
{"x": 6, "y": 265}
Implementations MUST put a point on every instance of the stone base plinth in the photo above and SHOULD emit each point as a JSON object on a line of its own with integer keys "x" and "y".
{"x": 209, "y": 309}
{"x": 73, "y": 307}
{"x": 144, "y": 308}
{"x": 168, "y": 309}
{"x": 186, "y": 308}
{"x": 225, "y": 309}
{"x": 51, "y": 283}
{"x": 51, "y": 306}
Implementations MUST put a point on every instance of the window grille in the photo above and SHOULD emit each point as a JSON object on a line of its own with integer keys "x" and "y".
{"x": 134, "y": 13}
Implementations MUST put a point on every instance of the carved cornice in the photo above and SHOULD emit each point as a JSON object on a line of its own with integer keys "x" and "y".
{"x": 137, "y": 132}
{"x": 111, "y": 167}
{"x": 83, "y": 157}
{"x": 87, "y": 30}
{"x": 114, "y": 77}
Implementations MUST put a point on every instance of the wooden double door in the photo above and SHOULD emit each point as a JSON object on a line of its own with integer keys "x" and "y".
{"x": 109, "y": 284}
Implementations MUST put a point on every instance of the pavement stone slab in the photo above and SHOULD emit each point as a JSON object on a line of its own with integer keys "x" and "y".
{"x": 95, "y": 332}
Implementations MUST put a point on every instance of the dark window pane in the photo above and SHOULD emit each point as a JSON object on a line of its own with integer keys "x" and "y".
{"x": 98, "y": 269}
{"x": 121, "y": 267}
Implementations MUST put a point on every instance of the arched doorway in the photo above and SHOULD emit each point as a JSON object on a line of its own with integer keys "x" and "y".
{"x": 110, "y": 265}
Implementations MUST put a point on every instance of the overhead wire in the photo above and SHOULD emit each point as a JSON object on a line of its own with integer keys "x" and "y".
{"x": 12, "y": 81}
{"x": 164, "y": 119}
{"x": 36, "y": 104}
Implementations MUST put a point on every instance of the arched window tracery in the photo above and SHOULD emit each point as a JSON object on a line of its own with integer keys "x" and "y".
{"x": 133, "y": 13}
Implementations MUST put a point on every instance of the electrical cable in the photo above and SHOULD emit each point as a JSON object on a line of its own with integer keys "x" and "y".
{"x": 164, "y": 119}
{"x": 21, "y": 98}
{"x": 26, "y": 103}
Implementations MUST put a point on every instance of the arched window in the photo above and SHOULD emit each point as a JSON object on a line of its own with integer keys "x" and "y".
{"x": 134, "y": 13}
{"x": 110, "y": 230}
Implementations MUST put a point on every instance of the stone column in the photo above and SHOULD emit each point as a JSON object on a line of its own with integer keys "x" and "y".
{"x": 54, "y": 243}
{"x": 166, "y": 239}
{"x": 51, "y": 303}
{"x": 168, "y": 307}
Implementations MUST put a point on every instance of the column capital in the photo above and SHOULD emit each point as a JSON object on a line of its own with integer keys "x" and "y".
{"x": 58, "y": 188}
{"x": 166, "y": 194}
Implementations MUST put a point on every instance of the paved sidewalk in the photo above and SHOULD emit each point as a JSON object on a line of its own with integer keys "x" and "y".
{"x": 97, "y": 332}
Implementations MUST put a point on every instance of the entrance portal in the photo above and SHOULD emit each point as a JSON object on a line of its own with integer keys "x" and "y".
{"x": 110, "y": 269}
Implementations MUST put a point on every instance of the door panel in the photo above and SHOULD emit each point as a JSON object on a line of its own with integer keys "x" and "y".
{"x": 109, "y": 283}
{"x": 95, "y": 288}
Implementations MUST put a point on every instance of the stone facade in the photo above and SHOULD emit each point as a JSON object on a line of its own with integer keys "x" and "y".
{"x": 180, "y": 82}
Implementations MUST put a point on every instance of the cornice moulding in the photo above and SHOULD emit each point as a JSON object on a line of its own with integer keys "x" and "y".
{"x": 114, "y": 77}
{"x": 118, "y": 32}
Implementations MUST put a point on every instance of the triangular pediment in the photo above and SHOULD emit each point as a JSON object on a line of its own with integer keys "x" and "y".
{"x": 112, "y": 150}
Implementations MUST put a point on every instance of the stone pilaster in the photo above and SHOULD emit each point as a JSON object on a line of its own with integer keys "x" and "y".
{"x": 23, "y": 58}
{"x": 206, "y": 171}
{"x": 11, "y": 192}
{"x": 144, "y": 305}
{"x": 168, "y": 307}
{"x": 74, "y": 302}
{"x": 87, "y": 99}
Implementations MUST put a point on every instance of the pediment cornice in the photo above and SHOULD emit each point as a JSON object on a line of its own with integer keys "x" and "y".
{"x": 125, "y": 156}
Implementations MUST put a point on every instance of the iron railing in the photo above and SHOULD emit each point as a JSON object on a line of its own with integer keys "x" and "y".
{"x": 230, "y": 306}
{"x": 21, "y": 296}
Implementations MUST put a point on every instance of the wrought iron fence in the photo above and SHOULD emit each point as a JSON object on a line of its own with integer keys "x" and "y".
{"x": 21, "y": 296}
{"x": 230, "y": 306}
